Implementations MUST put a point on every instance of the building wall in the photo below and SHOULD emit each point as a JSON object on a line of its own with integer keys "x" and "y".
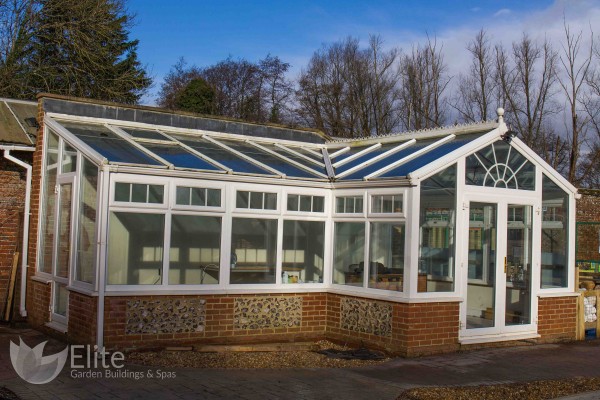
{"x": 557, "y": 318}
{"x": 588, "y": 225}
{"x": 12, "y": 201}
{"x": 38, "y": 293}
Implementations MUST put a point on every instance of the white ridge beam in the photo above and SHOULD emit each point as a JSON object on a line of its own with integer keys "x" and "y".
{"x": 339, "y": 152}
{"x": 376, "y": 158}
{"x": 302, "y": 156}
{"x": 356, "y": 155}
{"x": 199, "y": 154}
{"x": 295, "y": 163}
{"x": 410, "y": 157}
{"x": 244, "y": 156}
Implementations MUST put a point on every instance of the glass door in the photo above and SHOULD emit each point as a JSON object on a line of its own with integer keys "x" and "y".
{"x": 63, "y": 251}
{"x": 497, "y": 265}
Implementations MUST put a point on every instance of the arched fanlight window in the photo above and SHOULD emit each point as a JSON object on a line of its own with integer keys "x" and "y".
{"x": 500, "y": 165}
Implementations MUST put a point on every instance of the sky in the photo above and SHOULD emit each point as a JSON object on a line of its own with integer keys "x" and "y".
{"x": 206, "y": 32}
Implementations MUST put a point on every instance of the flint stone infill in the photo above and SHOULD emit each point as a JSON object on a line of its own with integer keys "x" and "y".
{"x": 366, "y": 317}
{"x": 165, "y": 316}
{"x": 267, "y": 312}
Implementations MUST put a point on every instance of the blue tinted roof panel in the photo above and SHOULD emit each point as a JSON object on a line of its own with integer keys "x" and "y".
{"x": 180, "y": 157}
{"x": 108, "y": 144}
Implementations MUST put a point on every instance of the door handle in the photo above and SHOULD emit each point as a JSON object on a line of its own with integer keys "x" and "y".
{"x": 504, "y": 264}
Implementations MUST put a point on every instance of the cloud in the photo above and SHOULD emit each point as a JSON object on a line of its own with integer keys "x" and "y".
{"x": 504, "y": 11}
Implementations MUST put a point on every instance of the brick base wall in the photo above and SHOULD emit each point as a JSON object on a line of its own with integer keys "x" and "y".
{"x": 222, "y": 320}
{"x": 12, "y": 201}
{"x": 557, "y": 318}
{"x": 404, "y": 329}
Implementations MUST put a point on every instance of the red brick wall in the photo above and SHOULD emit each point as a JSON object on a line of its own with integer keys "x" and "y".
{"x": 417, "y": 328}
{"x": 12, "y": 201}
{"x": 588, "y": 227}
{"x": 219, "y": 324}
{"x": 82, "y": 318}
{"x": 557, "y": 318}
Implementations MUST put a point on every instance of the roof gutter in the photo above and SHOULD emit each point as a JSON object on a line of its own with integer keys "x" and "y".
{"x": 26, "y": 212}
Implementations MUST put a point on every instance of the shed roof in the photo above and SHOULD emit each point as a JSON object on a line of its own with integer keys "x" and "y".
{"x": 18, "y": 123}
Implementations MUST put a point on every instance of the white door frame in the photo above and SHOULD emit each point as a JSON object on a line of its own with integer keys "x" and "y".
{"x": 502, "y": 198}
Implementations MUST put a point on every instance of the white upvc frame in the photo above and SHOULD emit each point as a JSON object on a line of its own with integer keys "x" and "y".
{"x": 502, "y": 202}
{"x": 145, "y": 180}
{"x": 287, "y": 160}
{"x": 194, "y": 183}
{"x": 354, "y": 156}
{"x": 383, "y": 192}
{"x": 300, "y": 155}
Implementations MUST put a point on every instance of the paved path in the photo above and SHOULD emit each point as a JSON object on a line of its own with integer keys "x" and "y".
{"x": 384, "y": 381}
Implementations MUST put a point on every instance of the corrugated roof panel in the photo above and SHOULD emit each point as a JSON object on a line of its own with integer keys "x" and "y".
{"x": 27, "y": 114}
{"x": 10, "y": 130}
{"x": 109, "y": 145}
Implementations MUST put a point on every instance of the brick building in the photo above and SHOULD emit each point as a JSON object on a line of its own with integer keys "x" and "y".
{"x": 154, "y": 228}
{"x": 588, "y": 230}
{"x": 18, "y": 130}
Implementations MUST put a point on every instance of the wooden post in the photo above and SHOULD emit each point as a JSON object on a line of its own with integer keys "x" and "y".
{"x": 11, "y": 286}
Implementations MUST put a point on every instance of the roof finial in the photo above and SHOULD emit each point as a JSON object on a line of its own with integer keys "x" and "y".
{"x": 500, "y": 112}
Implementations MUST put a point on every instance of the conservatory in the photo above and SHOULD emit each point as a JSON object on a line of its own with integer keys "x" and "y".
{"x": 156, "y": 228}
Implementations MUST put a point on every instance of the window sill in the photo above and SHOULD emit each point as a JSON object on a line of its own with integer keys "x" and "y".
{"x": 558, "y": 294}
{"x": 498, "y": 338}
{"x": 41, "y": 279}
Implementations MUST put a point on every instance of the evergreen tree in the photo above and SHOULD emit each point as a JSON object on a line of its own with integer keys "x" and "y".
{"x": 82, "y": 48}
{"x": 196, "y": 97}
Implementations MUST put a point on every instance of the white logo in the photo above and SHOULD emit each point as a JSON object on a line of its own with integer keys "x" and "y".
{"x": 32, "y": 366}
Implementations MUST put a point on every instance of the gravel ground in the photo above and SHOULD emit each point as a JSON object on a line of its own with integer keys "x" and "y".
{"x": 536, "y": 390}
{"x": 283, "y": 359}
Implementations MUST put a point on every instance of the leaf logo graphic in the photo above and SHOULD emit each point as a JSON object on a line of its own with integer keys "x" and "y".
{"x": 32, "y": 367}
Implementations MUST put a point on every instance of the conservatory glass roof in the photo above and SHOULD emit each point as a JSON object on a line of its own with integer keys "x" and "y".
{"x": 215, "y": 152}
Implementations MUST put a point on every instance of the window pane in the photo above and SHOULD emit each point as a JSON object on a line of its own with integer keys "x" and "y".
{"x": 242, "y": 199}
{"x": 135, "y": 248}
{"x": 339, "y": 204}
{"x": 349, "y": 246}
{"x": 198, "y": 196}
{"x": 386, "y": 256}
{"x": 555, "y": 243}
{"x": 318, "y": 203}
{"x": 69, "y": 159}
{"x": 349, "y": 205}
{"x": 183, "y": 196}
{"x": 139, "y": 193}
{"x": 387, "y": 204}
{"x": 358, "y": 205}
{"x": 270, "y": 201}
{"x": 213, "y": 197}
{"x": 303, "y": 251}
{"x": 122, "y": 191}
{"x": 293, "y": 200}
{"x": 305, "y": 203}
{"x": 49, "y": 204}
{"x": 256, "y": 200}
{"x": 155, "y": 194}
{"x": 376, "y": 204}
{"x": 61, "y": 299}
{"x": 253, "y": 250}
{"x": 86, "y": 244}
{"x": 500, "y": 165}
{"x": 195, "y": 250}
{"x": 63, "y": 258}
{"x": 437, "y": 220}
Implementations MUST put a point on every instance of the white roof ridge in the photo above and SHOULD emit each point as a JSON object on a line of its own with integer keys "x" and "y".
{"x": 457, "y": 129}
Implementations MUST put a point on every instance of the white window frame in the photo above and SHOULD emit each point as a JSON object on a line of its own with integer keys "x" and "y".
{"x": 349, "y": 193}
{"x": 386, "y": 192}
{"x": 234, "y": 188}
{"x": 198, "y": 185}
{"x": 143, "y": 180}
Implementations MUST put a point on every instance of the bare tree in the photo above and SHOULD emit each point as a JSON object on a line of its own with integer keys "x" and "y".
{"x": 349, "y": 91}
{"x": 477, "y": 97}
{"x": 175, "y": 82}
{"x": 526, "y": 77}
{"x": 572, "y": 80}
{"x": 424, "y": 80}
